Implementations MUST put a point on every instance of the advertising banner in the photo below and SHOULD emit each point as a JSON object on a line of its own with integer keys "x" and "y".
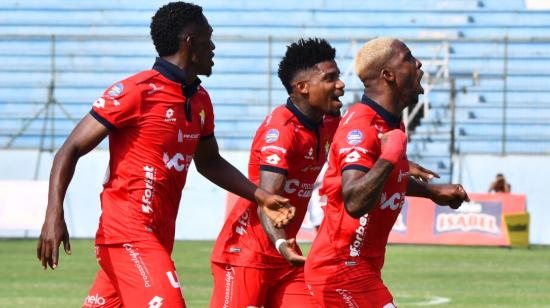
{"x": 479, "y": 222}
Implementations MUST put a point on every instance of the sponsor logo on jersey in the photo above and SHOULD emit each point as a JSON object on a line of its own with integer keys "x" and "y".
{"x": 272, "y": 135}
{"x": 173, "y": 278}
{"x": 347, "y": 298}
{"x": 482, "y": 216}
{"x": 154, "y": 88}
{"x": 355, "y": 137}
{"x": 228, "y": 292}
{"x": 309, "y": 155}
{"x": 394, "y": 203}
{"x": 303, "y": 190}
{"x": 273, "y": 159}
{"x": 94, "y": 300}
{"x": 170, "y": 115}
{"x": 99, "y": 103}
{"x": 400, "y": 224}
{"x": 182, "y": 136}
{"x": 243, "y": 223}
{"x": 360, "y": 233}
{"x": 179, "y": 161}
{"x": 138, "y": 262}
{"x": 311, "y": 168}
{"x": 116, "y": 90}
{"x": 156, "y": 302}
{"x": 402, "y": 175}
{"x": 352, "y": 157}
{"x": 148, "y": 193}
{"x": 273, "y": 147}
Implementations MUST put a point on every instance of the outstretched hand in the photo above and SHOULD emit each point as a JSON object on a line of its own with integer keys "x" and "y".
{"x": 277, "y": 208}
{"x": 452, "y": 195}
{"x": 417, "y": 171}
{"x": 54, "y": 231}
{"x": 288, "y": 251}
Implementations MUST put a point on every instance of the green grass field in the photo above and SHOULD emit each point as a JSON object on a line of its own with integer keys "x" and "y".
{"x": 416, "y": 275}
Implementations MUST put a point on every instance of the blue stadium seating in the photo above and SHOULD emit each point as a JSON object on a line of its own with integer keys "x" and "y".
{"x": 99, "y": 42}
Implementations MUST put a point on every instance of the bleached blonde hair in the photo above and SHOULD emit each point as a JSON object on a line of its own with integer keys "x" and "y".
{"x": 373, "y": 56}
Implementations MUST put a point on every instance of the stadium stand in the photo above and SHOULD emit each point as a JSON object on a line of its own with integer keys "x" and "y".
{"x": 56, "y": 57}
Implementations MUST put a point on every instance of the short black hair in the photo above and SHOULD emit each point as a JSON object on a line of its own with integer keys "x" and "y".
{"x": 303, "y": 55}
{"x": 168, "y": 23}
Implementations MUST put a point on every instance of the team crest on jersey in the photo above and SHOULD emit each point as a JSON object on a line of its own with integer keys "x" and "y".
{"x": 355, "y": 137}
{"x": 202, "y": 114}
{"x": 272, "y": 135}
{"x": 116, "y": 90}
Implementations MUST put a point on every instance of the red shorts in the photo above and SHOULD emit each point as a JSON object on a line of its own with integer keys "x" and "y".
{"x": 236, "y": 286}
{"x": 364, "y": 293}
{"x": 137, "y": 274}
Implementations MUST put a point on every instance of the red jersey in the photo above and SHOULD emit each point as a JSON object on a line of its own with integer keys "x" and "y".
{"x": 286, "y": 142}
{"x": 346, "y": 247}
{"x": 155, "y": 122}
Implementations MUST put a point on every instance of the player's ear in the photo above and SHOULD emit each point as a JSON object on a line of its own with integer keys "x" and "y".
{"x": 302, "y": 86}
{"x": 387, "y": 74}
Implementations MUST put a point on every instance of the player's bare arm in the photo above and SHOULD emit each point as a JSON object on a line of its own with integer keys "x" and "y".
{"x": 211, "y": 165}
{"x": 419, "y": 172}
{"x": 452, "y": 195}
{"x": 274, "y": 182}
{"x": 86, "y": 136}
{"x": 361, "y": 190}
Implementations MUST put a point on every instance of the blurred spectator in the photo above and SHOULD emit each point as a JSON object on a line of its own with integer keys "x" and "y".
{"x": 500, "y": 185}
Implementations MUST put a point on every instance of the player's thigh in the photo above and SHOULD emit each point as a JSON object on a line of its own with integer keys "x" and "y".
{"x": 290, "y": 290}
{"x": 237, "y": 287}
{"x": 102, "y": 293}
{"x": 144, "y": 274}
{"x": 362, "y": 293}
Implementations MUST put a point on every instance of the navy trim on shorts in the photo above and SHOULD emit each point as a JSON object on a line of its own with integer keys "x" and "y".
{"x": 274, "y": 169}
{"x": 102, "y": 120}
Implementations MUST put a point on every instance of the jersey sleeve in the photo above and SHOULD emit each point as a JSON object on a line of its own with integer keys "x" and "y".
{"x": 358, "y": 149}
{"x": 275, "y": 148}
{"x": 119, "y": 106}
{"x": 207, "y": 116}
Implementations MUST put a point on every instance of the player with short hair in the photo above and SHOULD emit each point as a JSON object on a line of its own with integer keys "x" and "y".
{"x": 157, "y": 121}
{"x": 253, "y": 263}
{"x": 366, "y": 182}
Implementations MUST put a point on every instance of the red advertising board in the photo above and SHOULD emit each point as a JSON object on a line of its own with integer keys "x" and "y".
{"x": 479, "y": 222}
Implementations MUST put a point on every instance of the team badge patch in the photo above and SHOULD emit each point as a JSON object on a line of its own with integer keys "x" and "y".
{"x": 116, "y": 90}
{"x": 355, "y": 137}
{"x": 272, "y": 135}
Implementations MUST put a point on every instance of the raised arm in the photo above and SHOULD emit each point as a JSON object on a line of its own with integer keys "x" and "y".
{"x": 86, "y": 136}
{"x": 211, "y": 165}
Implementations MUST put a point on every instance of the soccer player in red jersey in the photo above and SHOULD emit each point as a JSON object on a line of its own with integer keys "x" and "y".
{"x": 157, "y": 121}
{"x": 366, "y": 182}
{"x": 253, "y": 263}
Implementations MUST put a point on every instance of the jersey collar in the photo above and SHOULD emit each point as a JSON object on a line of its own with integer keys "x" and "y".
{"x": 305, "y": 121}
{"x": 175, "y": 74}
{"x": 392, "y": 120}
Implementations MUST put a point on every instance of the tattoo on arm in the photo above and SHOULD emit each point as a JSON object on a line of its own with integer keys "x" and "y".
{"x": 361, "y": 191}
